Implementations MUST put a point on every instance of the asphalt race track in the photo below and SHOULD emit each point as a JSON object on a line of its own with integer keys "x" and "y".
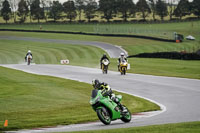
{"x": 178, "y": 97}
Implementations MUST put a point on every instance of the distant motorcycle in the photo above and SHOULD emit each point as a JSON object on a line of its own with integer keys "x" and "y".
{"x": 104, "y": 67}
{"x": 107, "y": 110}
{"x": 28, "y": 59}
{"x": 123, "y": 67}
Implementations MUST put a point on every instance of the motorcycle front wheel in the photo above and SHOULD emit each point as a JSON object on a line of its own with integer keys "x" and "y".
{"x": 104, "y": 115}
{"x": 29, "y": 62}
{"x": 124, "y": 71}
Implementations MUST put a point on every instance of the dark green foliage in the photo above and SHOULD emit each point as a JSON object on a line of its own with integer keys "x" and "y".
{"x": 70, "y": 9}
{"x": 126, "y": 7}
{"x": 90, "y": 9}
{"x": 161, "y": 9}
{"x": 22, "y": 10}
{"x": 182, "y": 9}
{"x": 56, "y": 10}
{"x": 6, "y": 11}
{"x": 36, "y": 11}
{"x": 108, "y": 8}
{"x": 144, "y": 8}
{"x": 196, "y": 7}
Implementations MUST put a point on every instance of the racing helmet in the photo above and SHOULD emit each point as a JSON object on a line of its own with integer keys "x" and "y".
{"x": 29, "y": 51}
{"x": 122, "y": 54}
{"x": 95, "y": 83}
{"x": 104, "y": 55}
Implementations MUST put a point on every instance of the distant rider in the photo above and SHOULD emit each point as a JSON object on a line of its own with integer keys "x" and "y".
{"x": 28, "y": 53}
{"x": 107, "y": 91}
{"x": 102, "y": 58}
{"x": 121, "y": 58}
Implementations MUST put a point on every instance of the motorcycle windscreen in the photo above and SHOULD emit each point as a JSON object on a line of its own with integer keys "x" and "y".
{"x": 94, "y": 93}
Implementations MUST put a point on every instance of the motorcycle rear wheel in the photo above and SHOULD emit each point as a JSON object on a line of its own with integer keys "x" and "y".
{"x": 126, "y": 117}
{"x": 104, "y": 116}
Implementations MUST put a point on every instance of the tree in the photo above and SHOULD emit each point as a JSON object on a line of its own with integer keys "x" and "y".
{"x": 44, "y": 4}
{"x": 182, "y": 9}
{"x": 108, "y": 8}
{"x": 90, "y": 9}
{"x": 22, "y": 10}
{"x": 126, "y": 7}
{"x": 1, "y": 1}
{"x": 56, "y": 10}
{"x": 196, "y": 8}
{"x": 70, "y": 9}
{"x": 6, "y": 10}
{"x": 143, "y": 7}
{"x": 153, "y": 8}
{"x": 36, "y": 11}
{"x": 13, "y": 5}
{"x": 171, "y": 8}
{"x": 161, "y": 9}
{"x": 80, "y": 4}
{"x": 29, "y": 3}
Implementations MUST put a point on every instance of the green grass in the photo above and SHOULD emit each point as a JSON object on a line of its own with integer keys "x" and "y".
{"x": 162, "y": 30}
{"x": 132, "y": 45}
{"x": 13, "y": 52}
{"x": 187, "y": 127}
{"x": 29, "y": 100}
{"x": 162, "y": 67}
{"x": 165, "y": 67}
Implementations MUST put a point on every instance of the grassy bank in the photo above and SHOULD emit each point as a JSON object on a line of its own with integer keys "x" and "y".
{"x": 13, "y": 52}
{"x": 188, "y": 127}
{"x": 29, "y": 100}
{"x": 163, "y": 30}
{"x": 165, "y": 67}
{"x": 131, "y": 45}
{"x": 162, "y": 67}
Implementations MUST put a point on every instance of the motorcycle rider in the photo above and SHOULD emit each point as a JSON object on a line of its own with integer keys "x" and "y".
{"x": 121, "y": 58}
{"x": 28, "y": 53}
{"x": 107, "y": 91}
{"x": 102, "y": 58}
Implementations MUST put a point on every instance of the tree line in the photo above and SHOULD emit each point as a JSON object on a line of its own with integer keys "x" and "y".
{"x": 70, "y": 9}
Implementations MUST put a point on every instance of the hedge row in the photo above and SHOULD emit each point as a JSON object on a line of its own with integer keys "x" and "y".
{"x": 169, "y": 55}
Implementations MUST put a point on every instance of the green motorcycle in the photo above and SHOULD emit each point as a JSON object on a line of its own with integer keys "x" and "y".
{"x": 107, "y": 110}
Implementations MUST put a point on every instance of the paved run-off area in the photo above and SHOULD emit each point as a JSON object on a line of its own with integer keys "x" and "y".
{"x": 180, "y": 96}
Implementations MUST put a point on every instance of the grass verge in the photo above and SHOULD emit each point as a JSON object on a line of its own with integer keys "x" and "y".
{"x": 164, "y": 67}
{"x": 162, "y": 30}
{"x": 13, "y": 52}
{"x": 131, "y": 45}
{"x": 30, "y": 101}
{"x": 187, "y": 127}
